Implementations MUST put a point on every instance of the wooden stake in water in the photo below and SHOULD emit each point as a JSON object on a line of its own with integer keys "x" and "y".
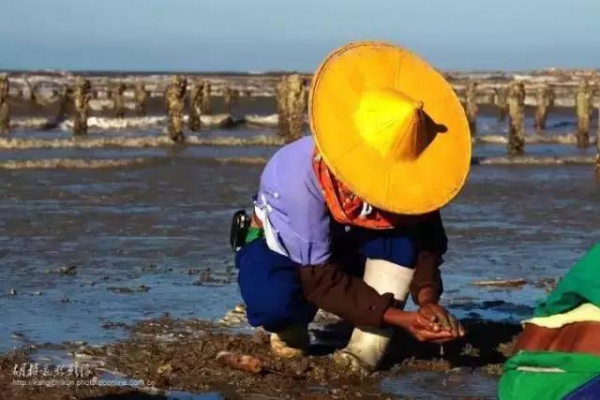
{"x": 31, "y": 93}
{"x": 583, "y": 101}
{"x": 141, "y": 99}
{"x": 195, "y": 106}
{"x": 175, "y": 104}
{"x": 229, "y": 97}
{"x": 64, "y": 103}
{"x": 471, "y": 106}
{"x": 296, "y": 105}
{"x": 516, "y": 112}
{"x": 501, "y": 102}
{"x": 291, "y": 104}
{"x": 206, "y": 91}
{"x": 545, "y": 97}
{"x": 119, "y": 100}
{"x": 4, "y": 105}
{"x": 81, "y": 99}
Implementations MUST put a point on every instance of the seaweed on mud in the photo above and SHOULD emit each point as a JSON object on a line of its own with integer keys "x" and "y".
{"x": 470, "y": 351}
{"x": 483, "y": 336}
{"x": 182, "y": 354}
{"x": 70, "y": 270}
{"x": 129, "y": 290}
{"x": 548, "y": 284}
{"x": 174, "y": 354}
{"x": 508, "y": 349}
{"x": 150, "y": 268}
{"x": 113, "y": 325}
{"x": 206, "y": 276}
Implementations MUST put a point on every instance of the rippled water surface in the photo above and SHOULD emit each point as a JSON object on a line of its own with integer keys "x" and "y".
{"x": 138, "y": 233}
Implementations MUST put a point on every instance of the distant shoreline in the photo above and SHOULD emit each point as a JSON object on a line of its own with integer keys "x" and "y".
{"x": 97, "y": 73}
{"x": 275, "y": 73}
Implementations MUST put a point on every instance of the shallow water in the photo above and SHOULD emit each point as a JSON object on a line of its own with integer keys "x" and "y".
{"x": 439, "y": 385}
{"x": 150, "y": 223}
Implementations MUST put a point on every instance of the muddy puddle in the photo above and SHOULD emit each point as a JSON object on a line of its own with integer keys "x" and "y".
{"x": 86, "y": 253}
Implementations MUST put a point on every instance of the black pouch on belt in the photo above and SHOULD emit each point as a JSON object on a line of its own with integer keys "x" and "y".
{"x": 239, "y": 229}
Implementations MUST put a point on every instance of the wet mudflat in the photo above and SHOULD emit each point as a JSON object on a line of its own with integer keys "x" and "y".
{"x": 88, "y": 252}
{"x": 164, "y": 353}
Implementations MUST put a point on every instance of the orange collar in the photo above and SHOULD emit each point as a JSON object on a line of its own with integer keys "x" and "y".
{"x": 345, "y": 207}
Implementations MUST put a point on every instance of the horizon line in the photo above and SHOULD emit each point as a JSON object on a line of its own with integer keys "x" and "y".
{"x": 273, "y": 72}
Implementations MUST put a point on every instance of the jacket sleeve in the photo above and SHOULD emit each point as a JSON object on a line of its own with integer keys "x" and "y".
{"x": 431, "y": 243}
{"x": 430, "y": 235}
{"x": 348, "y": 297}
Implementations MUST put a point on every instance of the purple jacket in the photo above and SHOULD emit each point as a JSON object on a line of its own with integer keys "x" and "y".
{"x": 292, "y": 207}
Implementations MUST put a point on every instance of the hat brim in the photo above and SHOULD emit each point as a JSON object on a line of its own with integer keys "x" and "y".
{"x": 417, "y": 186}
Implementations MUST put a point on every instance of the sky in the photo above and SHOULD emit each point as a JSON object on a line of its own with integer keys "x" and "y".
{"x": 266, "y": 35}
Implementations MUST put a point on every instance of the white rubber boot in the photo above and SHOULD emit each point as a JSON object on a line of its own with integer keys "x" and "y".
{"x": 367, "y": 346}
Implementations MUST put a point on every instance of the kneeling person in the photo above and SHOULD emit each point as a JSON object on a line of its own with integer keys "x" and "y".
{"x": 347, "y": 219}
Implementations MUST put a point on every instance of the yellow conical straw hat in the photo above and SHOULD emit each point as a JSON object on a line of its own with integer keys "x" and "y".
{"x": 390, "y": 127}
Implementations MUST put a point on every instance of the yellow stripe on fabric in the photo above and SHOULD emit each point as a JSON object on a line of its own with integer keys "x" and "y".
{"x": 584, "y": 313}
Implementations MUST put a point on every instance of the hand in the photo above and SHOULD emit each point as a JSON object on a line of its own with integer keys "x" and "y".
{"x": 419, "y": 327}
{"x": 424, "y": 333}
{"x": 434, "y": 318}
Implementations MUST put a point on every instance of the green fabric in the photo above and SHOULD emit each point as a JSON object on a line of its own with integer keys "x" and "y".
{"x": 580, "y": 285}
{"x": 520, "y": 385}
{"x": 253, "y": 233}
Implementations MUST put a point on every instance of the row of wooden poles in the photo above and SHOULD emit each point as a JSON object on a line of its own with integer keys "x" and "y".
{"x": 511, "y": 101}
{"x": 198, "y": 101}
{"x": 291, "y": 104}
{"x": 177, "y": 97}
{"x": 292, "y": 96}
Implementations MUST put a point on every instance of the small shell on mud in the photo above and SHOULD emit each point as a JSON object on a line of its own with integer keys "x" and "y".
{"x": 241, "y": 362}
{"x": 240, "y": 308}
{"x": 81, "y": 355}
{"x": 164, "y": 369}
{"x": 237, "y": 316}
{"x": 70, "y": 270}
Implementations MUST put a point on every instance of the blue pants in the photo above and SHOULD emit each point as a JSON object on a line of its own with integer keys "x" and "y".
{"x": 269, "y": 282}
